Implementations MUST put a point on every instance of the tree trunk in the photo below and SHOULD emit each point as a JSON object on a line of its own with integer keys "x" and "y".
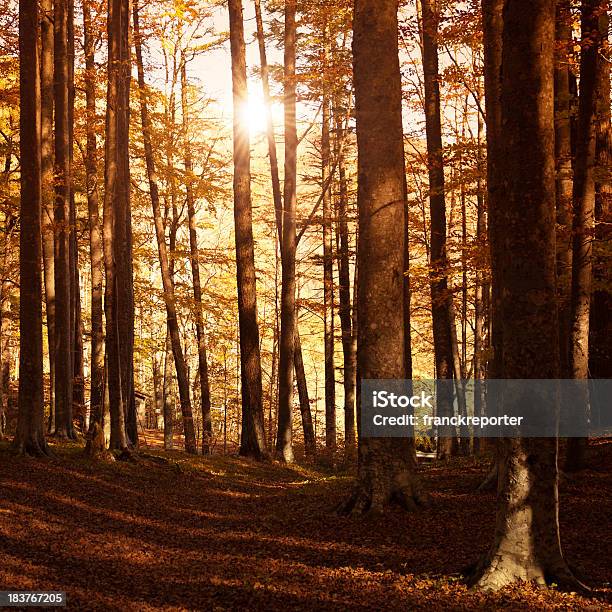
{"x": 526, "y": 543}
{"x": 123, "y": 228}
{"x": 63, "y": 182}
{"x": 328, "y": 280}
{"x": 96, "y": 396}
{"x": 600, "y": 344}
{"x": 30, "y": 435}
{"x": 387, "y": 466}
{"x": 114, "y": 192}
{"x": 195, "y": 273}
{"x": 5, "y": 319}
{"x": 265, "y": 82}
{"x": 584, "y": 217}
{"x": 168, "y": 396}
{"x": 48, "y": 192}
{"x": 564, "y": 173}
{"x": 253, "y": 440}
{"x": 440, "y": 298}
{"x": 492, "y": 39}
{"x": 310, "y": 447}
{"x": 481, "y": 291}
{"x": 344, "y": 296}
{"x": 168, "y": 285}
{"x": 284, "y": 449}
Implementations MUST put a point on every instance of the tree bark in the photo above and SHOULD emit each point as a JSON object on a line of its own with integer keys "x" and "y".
{"x": 284, "y": 447}
{"x": 195, "y": 273}
{"x": 344, "y": 296}
{"x": 265, "y": 82}
{"x": 96, "y": 396}
{"x": 584, "y": 216}
{"x": 168, "y": 397}
{"x": 440, "y": 298}
{"x": 310, "y": 447}
{"x": 526, "y": 543}
{"x": 387, "y": 466}
{"x": 253, "y": 440}
{"x": 328, "y": 278}
{"x": 30, "y": 435}
{"x": 564, "y": 173}
{"x": 114, "y": 192}
{"x": 600, "y": 344}
{"x": 63, "y": 183}
{"x": 168, "y": 285}
{"x": 48, "y": 192}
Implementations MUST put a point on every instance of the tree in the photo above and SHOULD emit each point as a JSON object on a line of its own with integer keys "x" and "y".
{"x": 168, "y": 286}
{"x": 387, "y": 466}
{"x": 600, "y": 328}
{"x": 526, "y": 543}
{"x": 95, "y": 443}
{"x": 584, "y": 214}
{"x": 116, "y": 192}
{"x": 30, "y": 435}
{"x": 441, "y": 306}
{"x": 328, "y": 277}
{"x": 195, "y": 272}
{"x": 63, "y": 186}
{"x": 253, "y": 440}
{"x": 48, "y": 193}
{"x": 564, "y": 172}
{"x": 284, "y": 446}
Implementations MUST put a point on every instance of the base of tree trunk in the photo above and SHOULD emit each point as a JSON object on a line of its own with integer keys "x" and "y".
{"x": 96, "y": 445}
{"x": 495, "y": 573}
{"x": 32, "y": 446}
{"x": 285, "y": 455}
{"x": 372, "y": 496}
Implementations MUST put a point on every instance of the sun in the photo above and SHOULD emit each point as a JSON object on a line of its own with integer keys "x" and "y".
{"x": 254, "y": 115}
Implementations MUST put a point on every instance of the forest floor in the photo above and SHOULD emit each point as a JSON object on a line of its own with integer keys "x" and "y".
{"x": 224, "y": 533}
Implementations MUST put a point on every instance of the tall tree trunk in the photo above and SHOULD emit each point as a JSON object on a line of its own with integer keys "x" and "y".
{"x": 481, "y": 290}
{"x": 96, "y": 396}
{"x": 344, "y": 296}
{"x": 63, "y": 182}
{"x": 253, "y": 440}
{"x": 492, "y": 38}
{"x": 600, "y": 344}
{"x": 123, "y": 229}
{"x": 440, "y": 298}
{"x": 310, "y": 447}
{"x": 114, "y": 193}
{"x": 584, "y": 216}
{"x": 168, "y": 285}
{"x": 328, "y": 280}
{"x": 387, "y": 466}
{"x": 284, "y": 447}
{"x": 265, "y": 82}
{"x": 564, "y": 173}
{"x": 526, "y": 543}
{"x": 5, "y": 320}
{"x": 195, "y": 273}
{"x": 30, "y": 435}
{"x": 48, "y": 192}
{"x": 278, "y": 209}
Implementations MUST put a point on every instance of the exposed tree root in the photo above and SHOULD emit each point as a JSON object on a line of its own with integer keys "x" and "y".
{"x": 503, "y": 570}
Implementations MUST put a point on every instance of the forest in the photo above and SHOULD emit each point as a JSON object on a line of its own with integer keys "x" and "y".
{"x": 227, "y": 225}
